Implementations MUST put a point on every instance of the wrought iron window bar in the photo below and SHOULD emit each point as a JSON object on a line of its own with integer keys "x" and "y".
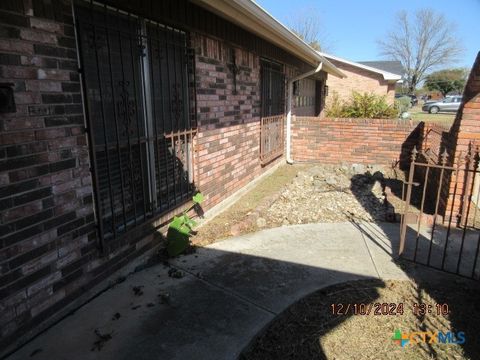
{"x": 138, "y": 85}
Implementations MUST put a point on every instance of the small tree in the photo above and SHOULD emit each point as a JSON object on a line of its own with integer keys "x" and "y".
{"x": 307, "y": 26}
{"x": 421, "y": 44}
{"x": 447, "y": 80}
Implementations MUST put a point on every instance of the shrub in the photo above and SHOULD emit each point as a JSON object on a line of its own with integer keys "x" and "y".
{"x": 335, "y": 106}
{"x": 369, "y": 106}
{"x": 361, "y": 105}
{"x": 402, "y": 104}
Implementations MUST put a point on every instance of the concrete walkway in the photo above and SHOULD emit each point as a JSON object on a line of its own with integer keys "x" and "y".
{"x": 230, "y": 291}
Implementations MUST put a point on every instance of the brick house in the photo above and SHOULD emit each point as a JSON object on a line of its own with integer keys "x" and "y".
{"x": 361, "y": 78}
{"x": 113, "y": 115}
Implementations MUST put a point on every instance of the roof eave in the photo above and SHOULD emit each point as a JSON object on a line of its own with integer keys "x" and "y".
{"x": 387, "y": 76}
{"x": 255, "y": 19}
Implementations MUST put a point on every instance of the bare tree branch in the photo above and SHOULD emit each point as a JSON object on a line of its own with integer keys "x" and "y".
{"x": 306, "y": 24}
{"x": 421, "y": 45}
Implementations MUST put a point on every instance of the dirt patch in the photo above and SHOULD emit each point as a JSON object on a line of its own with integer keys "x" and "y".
{"x": 232, "y": 221}
{"x": 310, "y": 330}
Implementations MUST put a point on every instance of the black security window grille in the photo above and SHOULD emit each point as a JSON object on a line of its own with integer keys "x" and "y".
{"x": 272, "y": 88}
{"x": 138, "y": 85}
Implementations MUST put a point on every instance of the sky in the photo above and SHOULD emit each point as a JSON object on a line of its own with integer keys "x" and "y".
{"x": 352, "y": 27}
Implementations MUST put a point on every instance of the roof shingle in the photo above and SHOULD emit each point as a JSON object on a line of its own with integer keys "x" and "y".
{"x": 394, "y": 67}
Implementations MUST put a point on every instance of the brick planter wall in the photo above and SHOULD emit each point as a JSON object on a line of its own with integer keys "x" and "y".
{"x": 365, "y": 141}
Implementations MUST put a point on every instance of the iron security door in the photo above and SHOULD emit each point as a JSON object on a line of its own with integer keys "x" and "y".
{"x": 272, "y": 88}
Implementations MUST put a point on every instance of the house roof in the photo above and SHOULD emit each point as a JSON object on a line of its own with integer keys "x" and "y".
{"x": 388, "y": 76}
{"x": 394, "y": 67}
{"x": 252, "y": 17}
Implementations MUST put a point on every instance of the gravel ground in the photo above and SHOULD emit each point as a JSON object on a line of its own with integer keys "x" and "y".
{"x": 331, "y": 194}
{"x": 303, "y": 194}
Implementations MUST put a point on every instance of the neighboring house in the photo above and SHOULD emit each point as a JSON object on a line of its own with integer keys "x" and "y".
{"x": 361, "y": 78}
{"x": 113, "y": 115}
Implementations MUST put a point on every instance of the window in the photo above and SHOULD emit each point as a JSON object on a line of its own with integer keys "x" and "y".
{"x": 138, "y": 86}
{"x": 272, "y": 88}
{"x": 305, "y": 100}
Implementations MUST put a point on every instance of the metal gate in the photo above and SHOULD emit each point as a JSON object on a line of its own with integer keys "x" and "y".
{"x": 138, "y": 84}
{"x": 440, "y": 223}
{"x": 272, "y": 110}
{"x": 271, "y": 137}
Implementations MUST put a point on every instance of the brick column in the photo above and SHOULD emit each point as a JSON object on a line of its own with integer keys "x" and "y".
{"x": 464, "y": 139}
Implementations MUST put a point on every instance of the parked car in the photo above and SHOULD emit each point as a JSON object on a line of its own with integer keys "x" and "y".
{"x": 413, "y": 98}
{"x": 449, "y": 103}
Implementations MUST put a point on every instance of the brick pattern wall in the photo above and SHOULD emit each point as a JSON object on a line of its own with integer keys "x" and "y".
{"x": 46, "y": 194}
{"x": 436, "y": 140}
{"x": 464, "y": 137}
{"x": 49, "y": 254}
{"x": 48, "y": 244}
{"x": 359, "y": 80}
{"x": 365, "y": 141}
{"x": 228, "y": 141}
{"x": 458, "y": 140}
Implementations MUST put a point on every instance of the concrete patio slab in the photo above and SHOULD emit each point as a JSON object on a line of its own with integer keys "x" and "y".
{"x": 230, "y": 290}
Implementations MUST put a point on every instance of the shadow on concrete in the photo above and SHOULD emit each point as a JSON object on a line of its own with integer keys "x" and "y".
{"x": 136, "y": 233}
{"x": 211, "y": 303}
{"x": 429, "y": 260}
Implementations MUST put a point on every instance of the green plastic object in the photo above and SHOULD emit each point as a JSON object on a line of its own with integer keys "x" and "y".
{"x": 198, "y": 198}
{"x": 178, "y": 236}
{"x": 179, "y": 230}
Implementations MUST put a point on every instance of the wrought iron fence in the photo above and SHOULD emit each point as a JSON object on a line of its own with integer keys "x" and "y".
{"x": 138, "y": 84}
{"x": 440, "y": 224}
{"x": 271, "y": 137}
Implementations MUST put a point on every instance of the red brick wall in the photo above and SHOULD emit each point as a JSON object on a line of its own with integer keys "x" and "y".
{"x": 464, "y": 137}
{"x": 436, "y": 140}
{"x": 46, "y": 193}
{"x": 366, "y": 141}
{"x": 228, "y": 141}
{"x": 48, "y": 244}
